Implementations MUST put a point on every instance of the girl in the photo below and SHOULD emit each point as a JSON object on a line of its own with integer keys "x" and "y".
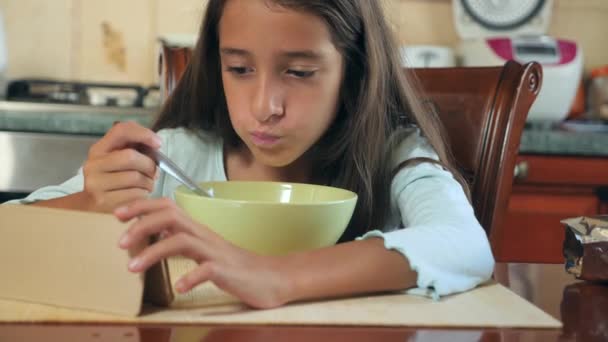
{"x": 301, "y": 91}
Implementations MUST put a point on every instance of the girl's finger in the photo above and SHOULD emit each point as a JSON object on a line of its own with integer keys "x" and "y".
{"x": 178, "y": 244}
{"x": 143, "y": 207}
{"x": 202, "y": 273}
{"x": 122, "y": 135}
{"x": 153, "y": 224}
{"x": 127, "y": 159}
{"x": 109, "y": 201}
{"x": 125, "y": 180}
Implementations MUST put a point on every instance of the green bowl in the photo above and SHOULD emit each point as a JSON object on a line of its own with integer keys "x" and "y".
{"x": 271, "y": 218}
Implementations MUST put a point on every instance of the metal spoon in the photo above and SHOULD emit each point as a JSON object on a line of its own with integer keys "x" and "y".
{"x": 169, "y": 167}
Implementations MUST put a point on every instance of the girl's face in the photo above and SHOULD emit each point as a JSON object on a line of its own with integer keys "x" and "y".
{"x": 281, "y": 75}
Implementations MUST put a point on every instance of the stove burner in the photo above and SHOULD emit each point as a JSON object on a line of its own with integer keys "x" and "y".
{"x": 80, "y": 93}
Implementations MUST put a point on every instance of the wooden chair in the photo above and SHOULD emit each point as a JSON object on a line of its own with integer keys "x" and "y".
{"x": 172, "y": 63}
{"x": 483, "y": 111}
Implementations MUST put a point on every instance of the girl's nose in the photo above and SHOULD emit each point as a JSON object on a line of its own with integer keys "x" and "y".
{"x": 268, "y": 101}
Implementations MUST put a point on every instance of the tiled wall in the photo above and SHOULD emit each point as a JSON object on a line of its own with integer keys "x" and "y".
{"x": 115, "y": 40}
{"x": 92, "y": 40}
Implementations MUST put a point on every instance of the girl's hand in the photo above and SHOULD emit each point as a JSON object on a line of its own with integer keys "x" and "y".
{"x": 255, "y": 279}
{"x": 115, "y": 173}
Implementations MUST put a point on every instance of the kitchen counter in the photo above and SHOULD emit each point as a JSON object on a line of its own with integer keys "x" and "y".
{"x": 89, "y": 120}
{"x": 558, "y": 141}
{"x": 67, "y": 119}
{"x": 34, "y": 136}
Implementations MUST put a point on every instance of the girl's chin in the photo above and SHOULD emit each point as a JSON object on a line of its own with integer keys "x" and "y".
{"x": 278, "y": 158}
{"x": 274, "y": 161}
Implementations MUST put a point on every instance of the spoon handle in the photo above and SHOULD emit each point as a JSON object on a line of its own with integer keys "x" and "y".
{"x": 169, "y": 167}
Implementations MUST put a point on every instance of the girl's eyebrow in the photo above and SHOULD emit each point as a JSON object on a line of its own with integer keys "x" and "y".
{"x": 299, "y": 54}
{"x": 303, "y": 54}
{"x": 234, "y": 52}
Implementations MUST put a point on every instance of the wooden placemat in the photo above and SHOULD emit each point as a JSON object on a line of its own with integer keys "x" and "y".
{"x": 490, "y": 305}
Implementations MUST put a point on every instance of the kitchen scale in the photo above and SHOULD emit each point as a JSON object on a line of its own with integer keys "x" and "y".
{"x": 495, "y": 31}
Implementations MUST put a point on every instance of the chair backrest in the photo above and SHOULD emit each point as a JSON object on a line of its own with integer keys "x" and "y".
{"x": 483, "y": 111}
{"x": 171, "y": 65}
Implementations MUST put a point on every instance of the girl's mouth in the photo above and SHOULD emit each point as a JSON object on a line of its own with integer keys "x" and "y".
{"x": 264, "y": 140}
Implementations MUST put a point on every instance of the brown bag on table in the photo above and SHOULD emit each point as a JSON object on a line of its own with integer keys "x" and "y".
{"x": 586, "y": 247}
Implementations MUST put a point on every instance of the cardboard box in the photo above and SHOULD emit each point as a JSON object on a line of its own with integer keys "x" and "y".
{"x": 160, "y": 290}
{"x": 67, "y": 258}
{"x": 71, "y": 259}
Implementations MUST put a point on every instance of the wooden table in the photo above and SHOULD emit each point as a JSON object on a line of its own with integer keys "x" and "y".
{"x": 583, "y": 308}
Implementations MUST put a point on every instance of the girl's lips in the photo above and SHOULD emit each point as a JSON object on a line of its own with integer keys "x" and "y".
{"x": 264, "y": 140}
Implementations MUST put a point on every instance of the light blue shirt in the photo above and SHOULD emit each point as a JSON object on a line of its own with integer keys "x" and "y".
{"x": 442, "y": 240}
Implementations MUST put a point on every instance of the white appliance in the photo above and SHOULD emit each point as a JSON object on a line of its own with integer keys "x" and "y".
{"x": 427, "y": 56}
{"x": 495, "y": 31}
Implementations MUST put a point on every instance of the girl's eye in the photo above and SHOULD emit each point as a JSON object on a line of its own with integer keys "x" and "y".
{"x": 238, "y": 70}
{"x": 301, "y": 73}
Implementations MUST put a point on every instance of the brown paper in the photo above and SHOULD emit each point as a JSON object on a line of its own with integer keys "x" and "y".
{"x": 491, "y": 305}
{"x": 586, "y": 247}
{"x": 66, "y": 258}
{"x": 160, "y": 287}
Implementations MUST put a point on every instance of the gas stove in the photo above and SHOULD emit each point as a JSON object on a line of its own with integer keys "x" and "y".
{"x": 81, "y": 93}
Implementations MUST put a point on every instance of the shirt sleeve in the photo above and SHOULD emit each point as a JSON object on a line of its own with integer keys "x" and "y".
{"x": 442, "y": 239}
{"x": 71, "y": 186}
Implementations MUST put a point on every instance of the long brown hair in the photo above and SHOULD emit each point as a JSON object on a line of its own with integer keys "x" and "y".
{"x": 377, "y": 98}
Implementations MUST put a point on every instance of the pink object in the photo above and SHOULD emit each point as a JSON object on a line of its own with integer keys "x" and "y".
{"x": 567, "y": 51}
{"x": 503, "y": 48}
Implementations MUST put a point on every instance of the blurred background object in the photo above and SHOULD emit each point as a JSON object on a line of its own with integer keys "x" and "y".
{"x": 493, "y": 32}
{"x": 427, "y": 56}
{"x": 598, "y": 93}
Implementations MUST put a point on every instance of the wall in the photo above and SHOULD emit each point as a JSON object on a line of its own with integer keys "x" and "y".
{"x": 115, "y": 40}
{"x": 110, "y": 40}
{"x": 430, "y": 21}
